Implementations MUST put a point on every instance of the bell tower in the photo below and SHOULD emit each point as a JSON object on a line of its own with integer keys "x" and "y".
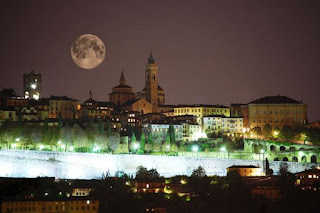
{"x": 151, "y": 83}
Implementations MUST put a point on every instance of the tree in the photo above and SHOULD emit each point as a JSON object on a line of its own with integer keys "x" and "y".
{"x": 284, "y": 169}
{"x": 172, "y": 134}
{"x": 144, "y": 173}
{"x": 150, "y": 142}
{"x": 267, "y": 130}
{"x": 166, "y": 147}
{"x": 257, "y": 131}
{"x": 101, "y": 127}
{"x": 269, "y": 171}
{"x": 287, "y": 132}
{"x": 108, "y": 128}
{"x": 142, "y": 142}
{"x": 199, "y": 172}
{"x": 133, "y": 137}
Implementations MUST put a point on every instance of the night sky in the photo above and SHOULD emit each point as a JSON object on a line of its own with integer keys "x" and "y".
{"x": 210, "y": 52}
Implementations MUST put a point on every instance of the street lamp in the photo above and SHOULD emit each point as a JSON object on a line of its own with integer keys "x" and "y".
{"x": 195, "y": 148}
{"x": 223, "y": 149}
{"x": 136, "y": 146}
{"x": 17, "y": 139}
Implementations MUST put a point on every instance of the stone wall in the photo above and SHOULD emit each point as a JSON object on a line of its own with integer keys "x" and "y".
{"x": 18, "y": 163}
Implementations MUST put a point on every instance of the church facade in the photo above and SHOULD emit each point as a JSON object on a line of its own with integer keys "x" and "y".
{"x": 123, "y": 94}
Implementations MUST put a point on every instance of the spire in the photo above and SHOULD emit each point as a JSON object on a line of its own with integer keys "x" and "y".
{"x": 151, "y": 59}
{"x": 122, "y": 79}
{"x": 90, "y": 93}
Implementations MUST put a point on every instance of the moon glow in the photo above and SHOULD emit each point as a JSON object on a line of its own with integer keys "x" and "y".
{"x": 88, "y": 51}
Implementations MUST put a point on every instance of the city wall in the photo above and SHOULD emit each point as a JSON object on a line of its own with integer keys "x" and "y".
{"x": 19, "y": 163}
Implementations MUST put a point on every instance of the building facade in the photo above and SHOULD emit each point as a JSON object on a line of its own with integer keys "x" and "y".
{"x": 278, "y": 111}
{"x": 63, "y": 106}
{"x": 122, "y": 93}
{"x": 32, "y": 85}
{"x": 200, "y": 110}
{"x": 152, "y": 92}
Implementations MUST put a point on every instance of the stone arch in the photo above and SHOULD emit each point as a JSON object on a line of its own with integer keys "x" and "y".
{"x": 276, "y": 159}
{"x": 282, "y": 148}
{"x": 273, "y": 148}
{"x": 294, "y": 159}
{"x": 260, "y": 147}
{"x": 285, "y": 159}
{"x": 303, "y": 159}
{"x": 292, "y": 149}
{"x": 313, "y": 159}
{"x": 255, "y": 148}
{"x": 301, "y": 149}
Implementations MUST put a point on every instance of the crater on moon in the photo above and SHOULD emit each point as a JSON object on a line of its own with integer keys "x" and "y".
{"x": 88, "y": 51}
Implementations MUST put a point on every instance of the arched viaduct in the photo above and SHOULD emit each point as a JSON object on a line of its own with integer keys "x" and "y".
{"x": 284, "y": 151}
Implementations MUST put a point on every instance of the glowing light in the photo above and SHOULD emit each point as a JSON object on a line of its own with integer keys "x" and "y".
{"x": 41, "y": 146}
{"x": 168, "y": 146}
{"x": 13, "y": 145}
{"x": 200, "y": 134}
{"x": 17, "y": 139}
{"x": 183, "y": 181}
{"x": 59, "y": 142}
{"x": 223, "y": 149}
{"x": 195, "y": 148}
{"x": 96, "y": 148}
{"x": 33, "y": 86}
{"x": 71, "y": 148}
{"x": 275, "y": 133}
{"x": 63, "y": 146}
{"x": 262, "y": 151}
{"x": 136, "y": 146}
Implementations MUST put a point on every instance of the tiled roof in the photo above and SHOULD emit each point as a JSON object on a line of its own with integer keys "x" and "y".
{"x": 275, "y": 100}
{"x": 122, "y": 86}
{"x": 159, "y": 88}
{"x": 64, "y": 98}
{"x": 202, "y": 105}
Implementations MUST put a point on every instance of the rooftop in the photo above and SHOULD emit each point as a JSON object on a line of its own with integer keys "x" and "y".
{"x": 275, "y": 100}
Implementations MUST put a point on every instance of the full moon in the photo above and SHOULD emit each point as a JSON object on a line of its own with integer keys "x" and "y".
{"x": 88, "y": 51}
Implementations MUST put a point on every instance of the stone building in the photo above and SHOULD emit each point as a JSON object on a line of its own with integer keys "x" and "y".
{"x": 32, "y": 85}
{"x": 277, "y": 111}
{"x": 201, "y": 110}
{"x": 64, "y": 106}
{"x": 152, "y": 92}
{"x": 122, "y": 93}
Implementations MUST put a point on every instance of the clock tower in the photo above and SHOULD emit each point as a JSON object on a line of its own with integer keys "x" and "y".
{"x": 151, "y": 83}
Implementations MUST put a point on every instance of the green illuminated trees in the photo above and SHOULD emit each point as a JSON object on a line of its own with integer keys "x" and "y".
{"x": 267, "y": 130}
{"x": 199, "y": 172}
{"x": 142, "y": 143}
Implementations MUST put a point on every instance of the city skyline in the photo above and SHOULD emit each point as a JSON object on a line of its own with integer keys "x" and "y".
{"x": 217, "y": 53}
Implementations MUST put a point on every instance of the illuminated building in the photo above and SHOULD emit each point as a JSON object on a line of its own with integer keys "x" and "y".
{"x": 8, "y": 113}
{"x": 32, "y": 85}
{"x": 121, "y": 93}
{"x": 246, "y": 171}
{"x": 277, "y": 111}
{"x": 269, "y": 192}
{"x": 92, "y": 109}
{"x": 159, "y": 131}
{"x": 16, "y": 102}
{"x": 60, "y": 205}
{"x": 138, "y": 105}
{"x": 64, "y": 106}
{"x": 222, "y": 124}
{"x": 192, "y": 132}
{"x": 152, "y": 92}
{"x": 201, "y": 110}
{"x": 309, "y": 179}
{"x": 315, "y": 125}
{"x": 155, "y": 185}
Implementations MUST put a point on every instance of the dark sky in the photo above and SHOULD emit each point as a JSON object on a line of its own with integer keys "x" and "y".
{"x": 210, "y": 52}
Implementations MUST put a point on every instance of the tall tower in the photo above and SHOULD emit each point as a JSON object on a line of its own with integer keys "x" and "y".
{"x": 32, "y": 86}
{"x": 151, "y": 84}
